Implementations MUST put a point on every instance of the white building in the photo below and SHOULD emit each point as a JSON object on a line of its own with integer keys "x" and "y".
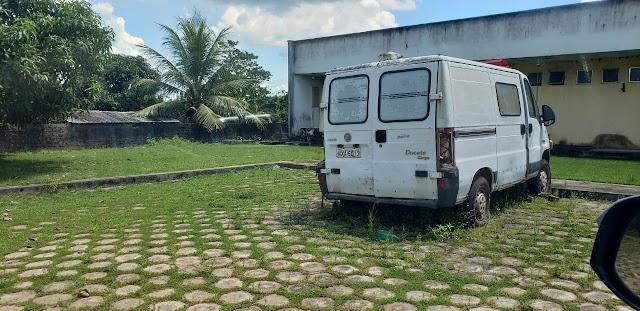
{"x": 584, "y": 59}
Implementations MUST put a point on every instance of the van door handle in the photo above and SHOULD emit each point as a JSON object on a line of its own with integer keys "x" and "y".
{"x": 523, "y": 130}
{"x": 530, "y": 128}
{"x": 381, "y": 136}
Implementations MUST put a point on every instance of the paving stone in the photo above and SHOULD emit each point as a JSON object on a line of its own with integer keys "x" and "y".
{"x": 217, "y": 262}
{"x": 483, "y": 309}
{"x": 501, "y": 270}
{"x": 543, "y": 305}
{"x": 557, "y": 294}
{"x": 163, "y": 293}
{"x": 127, "y": 278}
{"x": 466, "y": 267}
{"x": 188, "y": 265}
{"x": 197, "y": 296}
{"x": 127, "y": 290}
{"x": 376, "y": 271}
{"x": 598, "y": 297}
{"x": 535, "y": 272}
{"x": 57, "y": 286}
{"x": 280, "y": 264}
{"x": 395, "y": 282}
{"x": 358, "y": 304}
{"x": 159, "y": 268}
{"x": 52, "y": 299}
{"x": 317, "y": 303}
{"x": 514, "y": 291}
{"x": 87, "y": 303}
{"x": 430, "y": 284}
{"x": 324, "y": 279}
{"x": 167, "y": 306}
{"x": 205, "y": 307}
{"x": 442, "y": 308}
{"x": 160, "y": 280}
{"x": 228, "y": 283}
{"x": 99, "y": 265}
{"x": 503, "y": 302}
{"x": 464, "y": 300}
{"x": 23, "y": 285}
{"x": 127, "y": 257}
{"x": 312, "y": 267}
{"x": 16, "y": 255}
{"x": 417, "y": 296}
{"x": 38, "y": 264}
{"x": 222, "y": 272}
{"x": 564, "y": 283}
{"x": 591, "y": 307}
{"x": 265, "y": 287}
{"x": 476, "y": 287}
{"x": 301, "y": 287}
{"x": 17, "y": 298}
{"x": 357, "y": 278}
{"x": 339, "y": 291}
{"x": 33, "y": 273}
{"x": 344, "y": 269}
{"x": 399, "y": 306}
{"x": 378, "y": 293}
{"x": 160, "y": 258}
{"x": 128, "y": 266}
{"x": 68, "y": 264}
{"x": 273, "y": 301}
{"x": 11, "y": 308}
{"x": 291, "y": 276}
{"x": 236, "y": 297}
{"x": 528, "y": 282}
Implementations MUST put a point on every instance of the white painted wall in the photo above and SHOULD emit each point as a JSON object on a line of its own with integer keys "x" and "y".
{"x": 587, "y": 28}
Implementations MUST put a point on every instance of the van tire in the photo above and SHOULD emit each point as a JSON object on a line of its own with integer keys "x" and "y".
{"x": 478, "y": 202}
{"x": 541, "y": 184}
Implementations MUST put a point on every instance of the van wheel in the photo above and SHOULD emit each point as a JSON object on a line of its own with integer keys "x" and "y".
{"x": 541, "y": 184}
{"x": 478, "y": 202}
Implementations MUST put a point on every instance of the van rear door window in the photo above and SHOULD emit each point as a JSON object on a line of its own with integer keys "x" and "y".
{"x": 348, "y": 100}
{"x": 404, "y": 95}
{"x": 508, "y": 100}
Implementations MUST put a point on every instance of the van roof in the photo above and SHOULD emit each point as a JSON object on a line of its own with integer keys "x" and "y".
{"x": 416, "y": 60}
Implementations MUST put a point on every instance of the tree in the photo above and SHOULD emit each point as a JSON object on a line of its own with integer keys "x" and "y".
{"x": 121, "y": 73}
{"x": 197, "y": 76}
{"x": 50, "y": 57}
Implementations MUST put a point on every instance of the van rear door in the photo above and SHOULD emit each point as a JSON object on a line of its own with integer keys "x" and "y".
{"x": 348, "y": 135}
{"x": 404, "y": 133}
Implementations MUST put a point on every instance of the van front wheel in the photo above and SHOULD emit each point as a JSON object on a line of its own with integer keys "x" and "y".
{"x": 541, "y": 184}
{"x": 478, "y": 202}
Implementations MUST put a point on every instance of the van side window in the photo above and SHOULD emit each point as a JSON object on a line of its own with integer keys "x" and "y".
{"x": 508, "y": 100}
{"x": 404, "y": 95}
{"x": 348, "y": 100}
{"x": 531, "y": 100}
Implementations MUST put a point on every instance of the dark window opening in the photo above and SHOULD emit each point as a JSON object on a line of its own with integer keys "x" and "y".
{"x": 584, "y": 76}
{"x": 556, "y": 78}
{"x": 535, "y": 78}
{"x": 610, "y": 75}
{"x": 634, "y": 74}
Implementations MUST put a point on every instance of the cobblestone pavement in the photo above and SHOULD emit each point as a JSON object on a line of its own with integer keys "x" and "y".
{"x": 266, "y": 258}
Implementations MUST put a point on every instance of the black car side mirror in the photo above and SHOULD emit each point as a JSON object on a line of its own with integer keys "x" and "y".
{"x": 616, "y": 252}
{"x": 548, "y": 116}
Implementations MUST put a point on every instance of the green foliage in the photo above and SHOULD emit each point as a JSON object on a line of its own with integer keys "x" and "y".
{"x": 50, "y": 56}
{"x": 596, "y": 170}
{"x": 121, "y": 73}
{"x": 198, "y": 73}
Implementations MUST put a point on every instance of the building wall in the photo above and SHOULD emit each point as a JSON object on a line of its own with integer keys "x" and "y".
{"x": 595, "y": 28}
{"x": 585, "y": 111}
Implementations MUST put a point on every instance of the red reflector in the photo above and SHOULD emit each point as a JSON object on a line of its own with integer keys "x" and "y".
{"x": 497, "y": 62}
{"x": 321, "y": 177}
{"x": 441, "y": 183}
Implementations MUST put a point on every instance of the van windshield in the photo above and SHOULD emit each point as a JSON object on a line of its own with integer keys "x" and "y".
{"x": 348, "y": 99}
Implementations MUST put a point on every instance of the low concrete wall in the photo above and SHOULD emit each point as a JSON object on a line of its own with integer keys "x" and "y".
{"x": 81, "y": 136}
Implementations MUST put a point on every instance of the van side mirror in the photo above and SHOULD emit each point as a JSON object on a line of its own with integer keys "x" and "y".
{"x": 616, "y": 252}
{"x": 548, "y": 116}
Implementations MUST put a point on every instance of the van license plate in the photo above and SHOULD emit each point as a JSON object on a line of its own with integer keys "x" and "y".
{"x": 349, "y": 153}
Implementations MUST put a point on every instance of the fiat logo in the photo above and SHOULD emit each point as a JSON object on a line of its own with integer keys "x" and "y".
{"x": 347, "y": 137}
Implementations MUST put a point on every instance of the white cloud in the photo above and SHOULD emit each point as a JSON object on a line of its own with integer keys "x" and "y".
{"x": 274, "y": 25}
{"x": 124, "y": 42}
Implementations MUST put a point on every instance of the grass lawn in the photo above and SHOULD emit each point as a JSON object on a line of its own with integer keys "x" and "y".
{"x": 260, "y": 238}
{"x": 158, "y": 156}
{"x": 625, "y": 172}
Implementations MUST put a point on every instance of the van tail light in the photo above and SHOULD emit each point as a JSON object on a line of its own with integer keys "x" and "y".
{"x": 445, "y": 147}
{"x": 321, "y": 178}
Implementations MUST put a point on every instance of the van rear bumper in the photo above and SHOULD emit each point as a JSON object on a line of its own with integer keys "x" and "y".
{"x": 370, "y": 199}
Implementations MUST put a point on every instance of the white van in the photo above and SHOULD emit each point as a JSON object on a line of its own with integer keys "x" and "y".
{"x": 431, "y": 131}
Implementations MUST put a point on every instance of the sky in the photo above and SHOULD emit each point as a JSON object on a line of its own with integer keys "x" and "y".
{"x": 263, "y": 27}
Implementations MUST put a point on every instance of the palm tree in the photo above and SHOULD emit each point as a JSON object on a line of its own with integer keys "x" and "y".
{"x": 192, "y": 77}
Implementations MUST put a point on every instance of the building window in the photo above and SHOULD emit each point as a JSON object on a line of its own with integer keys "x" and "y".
{"x": 634, "y": 74}
{"x": 584, "y": 76}
{"x": 535, "y": 78}
{"x": 610, "y": 75}
{"x": 556, "y": 78}
{"x": 508, "y": 100}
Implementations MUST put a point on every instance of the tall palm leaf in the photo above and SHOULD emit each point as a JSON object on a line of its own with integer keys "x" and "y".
{"x": 191, "y": 76}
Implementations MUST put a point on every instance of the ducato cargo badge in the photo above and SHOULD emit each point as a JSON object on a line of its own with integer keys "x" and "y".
{"x": 347, "y": 137}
